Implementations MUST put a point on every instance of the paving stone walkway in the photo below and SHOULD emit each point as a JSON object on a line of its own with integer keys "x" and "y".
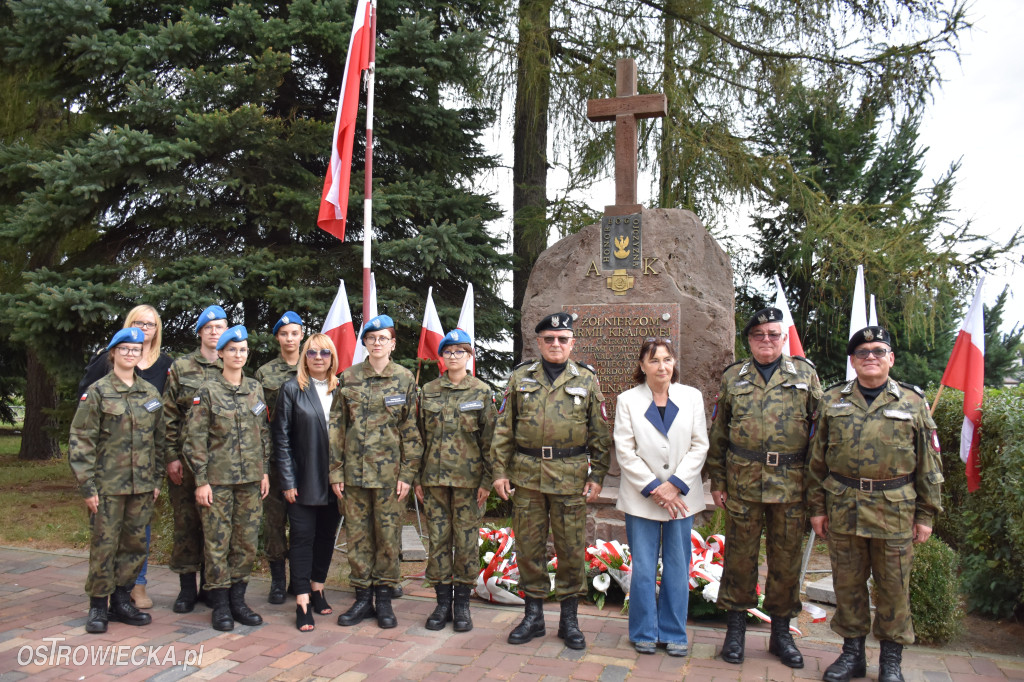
{"x": 42, "y": 636}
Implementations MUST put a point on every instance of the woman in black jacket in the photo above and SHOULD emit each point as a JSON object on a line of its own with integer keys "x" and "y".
{"x": 302, "y": 451}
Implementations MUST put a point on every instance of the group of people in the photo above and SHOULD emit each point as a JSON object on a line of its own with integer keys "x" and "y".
{"x": 303, "y": 441}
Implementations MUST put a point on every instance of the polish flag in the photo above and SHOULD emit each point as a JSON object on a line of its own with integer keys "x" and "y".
{"x": 338, "y": 326}
{"x": 334, "y": 200}
{"x": 966, "y": 372}
{"x": 369, "y": 312}
{"x": 467, "y": 323}
{"x": 788, "y": 325}
{"x": 858, "y": 316}
{"x": 431, "y": 333}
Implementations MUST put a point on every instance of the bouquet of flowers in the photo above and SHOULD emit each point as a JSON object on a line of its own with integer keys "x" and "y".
{"x": 608, "y": 561}
{"x": 498, "y": 580}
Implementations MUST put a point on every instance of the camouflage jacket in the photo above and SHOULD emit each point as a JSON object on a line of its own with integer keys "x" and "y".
{"x": 374, "y": 438}
{"x": 227, "y": 436}
{"x": 184, "y": 378}
{"x": 272, "y": 376}
{"x": 893, "y": 437}
{"x": 457, "y": 424}
{"x": 114, "y": 437}
{"x": 759, "y": 417}
{"x": 536, "y": 413}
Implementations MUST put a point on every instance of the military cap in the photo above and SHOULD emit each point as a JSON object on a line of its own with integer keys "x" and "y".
{"x": 236, "y": 333}
{"x": 128, "y": 335}
{"x": 214, "y": 312}
{"x": 763, "y": 316}
{"x": 868, "y": 335}
{"x": 377, "y": 323}
{"x": 555, "y": 321}
{"x": 288, "y": 318}
{"x": 453, "y": 337}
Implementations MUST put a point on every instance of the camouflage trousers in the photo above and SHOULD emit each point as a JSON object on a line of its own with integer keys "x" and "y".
{"x": 231, "y": 526}
{"x": 784, "y": 526}
{"x": 531, "y": 512}
{"x": 373, "y": 526}
{"x": 275, "y": 514}
{"x": 187, "y": 553}
{"x": 118, "y": 544}
{"x": 888, "y": 562}
{"x": 453, "y": 527}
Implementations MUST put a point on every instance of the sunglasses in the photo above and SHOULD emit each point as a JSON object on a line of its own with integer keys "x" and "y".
{"x": 863, "y": 353}
{"x": 552, "y": 340}
{"x": 312, "y": 353}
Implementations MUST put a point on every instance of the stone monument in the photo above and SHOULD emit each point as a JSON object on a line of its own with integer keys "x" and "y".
{"x": 639, "y": 273}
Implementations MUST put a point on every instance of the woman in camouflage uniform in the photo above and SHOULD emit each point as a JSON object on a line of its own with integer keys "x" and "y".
{"x": 113, "y": 454}
{"x": 456, "y": 419}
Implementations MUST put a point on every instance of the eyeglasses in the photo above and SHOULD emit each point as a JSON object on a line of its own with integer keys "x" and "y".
{"x": 863, "y": 353}
{"x": 655, "y": 339}
{"x": 214, "y": 329}
{"x": 761, "y": 336}
{"x": 128, "y": 350}
{"x": 312, "y": 353}
{"x": 377, "y": 340}
{"x": 454, "y": 353}
{"x": 144, "y": 325}
{"x": 236, "y": 351}
{"x": 552, "y": 340}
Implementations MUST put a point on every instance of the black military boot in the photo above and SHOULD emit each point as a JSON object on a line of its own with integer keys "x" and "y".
{"x": 385, "y": 615}
{"x": 220, "y": 617}
{"x": 889, "y": 662}
{"x": 781, "y": 644}
{"x": 363, "y": 608}
{"x": 735, "y": 637}
{"x": 443, "y": 611}
{"x": 123, "y": 610}
{"x": 96, "y": 622}
{"x": 569, "y": 625}
{"x": 186, "y": 600}
{"x": 851, "y": 662}
{"x": 532, "y": 624}
{"x": 240, "y": 611}
{"x": 463, "y": 621}
{"x": 278, "y": 584}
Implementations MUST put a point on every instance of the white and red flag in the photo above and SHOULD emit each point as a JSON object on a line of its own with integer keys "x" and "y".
{"x": 788, "y": 325}
{"x": 966, "y": 372}
{"x": 338, "y": 326}
{"x": 369, "y": 312}
{"x": 467, "y": 323}
{"x": 858, "y": 316}
{"x": 431, "y": 333}
{"x": 334, "y": 199}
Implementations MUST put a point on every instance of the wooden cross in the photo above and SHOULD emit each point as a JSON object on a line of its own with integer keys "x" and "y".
{"x": 625, "y": 108}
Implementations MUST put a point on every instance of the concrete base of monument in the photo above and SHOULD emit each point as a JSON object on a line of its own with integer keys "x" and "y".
{"x": 605, "y": 522}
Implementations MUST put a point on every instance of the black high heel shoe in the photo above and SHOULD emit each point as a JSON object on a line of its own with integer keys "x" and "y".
{"x": 304, "y": 618}
{"x": 319, "y": 603}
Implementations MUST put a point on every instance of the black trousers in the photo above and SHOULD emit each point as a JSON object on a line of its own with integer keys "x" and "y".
{"x": 311, "y": 544}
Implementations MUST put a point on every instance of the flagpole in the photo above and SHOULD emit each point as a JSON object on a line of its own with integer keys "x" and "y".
{"x": 938, "y": 394}
{"x": 368, "y": 187}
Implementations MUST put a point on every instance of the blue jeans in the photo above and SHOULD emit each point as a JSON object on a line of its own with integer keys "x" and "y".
{"x": 659, "y": 616}
{"x": 141, "y": 580}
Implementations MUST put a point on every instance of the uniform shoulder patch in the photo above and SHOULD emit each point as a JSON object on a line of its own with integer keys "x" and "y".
{"x": 592, "y": 369}
{"x": 836, "y": 385}
{"x": 738, "y": 362}
{"x": 804, "y": 360}
{"x": 522, "y": 364}
{"x": 913, "y": 387}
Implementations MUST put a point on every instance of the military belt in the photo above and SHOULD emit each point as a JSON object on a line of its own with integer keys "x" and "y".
{"x": 553, "y": 453}
{"x": 772, "y": 459}
{"x": 868, "y": 485}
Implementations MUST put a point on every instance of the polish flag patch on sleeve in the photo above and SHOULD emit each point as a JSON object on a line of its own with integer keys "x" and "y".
{"x": 84, "y": 396}
{"x": 195, "y": 401}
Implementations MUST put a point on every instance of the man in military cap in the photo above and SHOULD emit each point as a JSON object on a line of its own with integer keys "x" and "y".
{"x": 184, "y": 378}
{"x": 272, "y": 376}
{"x": 875, "y": 489}
{"x": 550, "y": 428}
{"x": 760, "y": 426}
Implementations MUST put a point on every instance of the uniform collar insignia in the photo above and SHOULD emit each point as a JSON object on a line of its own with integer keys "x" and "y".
{"x": 790, "y": 367}
{"x": 848, "y": 388}
{"x": 894, "y": 388}
{"x": 572, "y": 368}
{"x": 745, "y": 367}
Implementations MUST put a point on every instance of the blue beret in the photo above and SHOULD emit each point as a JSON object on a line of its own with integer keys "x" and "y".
{"x": 129, "y": 335}
{"x": 214, "y": 312}
{"x": 236, "y": 333}
{"x": 379, "y": 322}
{"x": 453, "y": 337}
{"x": 288, "y": 318}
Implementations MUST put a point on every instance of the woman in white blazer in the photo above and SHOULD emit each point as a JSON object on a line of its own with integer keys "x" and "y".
{"x": 661, "y": 442}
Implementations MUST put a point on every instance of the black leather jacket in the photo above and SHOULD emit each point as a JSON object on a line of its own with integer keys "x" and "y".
{"x": 302, "y": 445}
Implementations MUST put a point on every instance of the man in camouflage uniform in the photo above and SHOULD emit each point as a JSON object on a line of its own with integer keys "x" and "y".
{"x": 375, "y": 458}
{"x": 113, "y": 454}
{"x": 184, "y": 378}
{"x": 760, "y": 426}
{"x": 272, "y": 376}
{"x": 227, "y": 447}
{"x": 875, "y": 489}
{"x": 550, "y": 430}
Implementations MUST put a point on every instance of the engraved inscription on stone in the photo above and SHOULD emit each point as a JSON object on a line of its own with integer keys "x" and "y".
{"x": 621, "y": 242}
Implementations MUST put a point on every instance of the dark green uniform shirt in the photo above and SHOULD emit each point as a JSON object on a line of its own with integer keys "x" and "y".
{"x": 457, "y": 424}
{"x": 114, "y": 437}
{"x": 184, "y": 378}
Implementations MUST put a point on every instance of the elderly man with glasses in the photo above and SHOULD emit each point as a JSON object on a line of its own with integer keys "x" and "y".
{"x": 759, "y": 433}
{"x": 875, "y": 489}
{"x": 552, "y": 443}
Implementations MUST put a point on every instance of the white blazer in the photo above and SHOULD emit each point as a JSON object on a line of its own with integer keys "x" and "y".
{"x": 650, "y": 454}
